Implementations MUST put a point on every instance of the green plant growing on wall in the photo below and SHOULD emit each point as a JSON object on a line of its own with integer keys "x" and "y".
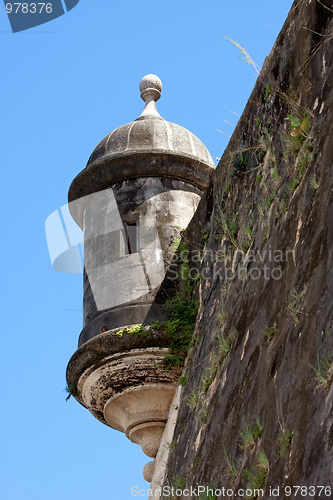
{"x": 275, "y": 175}
{"x": 156, "y": 325}
{"x": 171, "y": 483}
{"x": 301, "y": 167}
{"x": 137, "y": 330}
{"x": 251, "y": 434}
{"x": 179, "y": 328}
{"x": 205, "y": 238}
{"x": 193, "y": 399}
{"x": 240, "y": 162}
{"x": 203, "y": 414}
{"x": 210, "y": 373}
{"x": 183, "y": 380}
{"x": 265, "y": 142}
{"x": 246, "y": 236}
{"x": 282, "y": 206}
{"x": 180, "y": 483}
{"x": 71, "y": 390}
{"x": 171, "y": 360}
{"x": 181, "y": 429}
{"x": 293, "y": 301}
{"x": 268, "y": 91}
{"x": 233, "y": 224}
{"x": 263, "y": 461}
{"x": 265, "y": 235}
{"x": 314, "y": 182}
{"x": 257, "y": 475}
{"x": 173, "y": 444}
{"x": 172, "y": 250}
{"x": 256, "y": 480}
{"x": 182, "y": 309}
{"x": 299, "y": 124}
{"x": 230, "y": 228}
{"x": 270, "y": 331}
{"x": 140, "y": 330}
{"x": 269, "y": 200}
{"x": 323, "y": 378}
{"x": 225, "y": 344}
{"x": 222, "y": 316}
{"x": 232, "y": 469}
{"x": 196, "y": 463}
{"x": 228, "y": 188}
{"x": 208, "y": 495}
{"x": 184, "y": 281}
{"x": 284, "y": 442}
{"x": 261, "y": 210}
{"x": 257, "y": 429}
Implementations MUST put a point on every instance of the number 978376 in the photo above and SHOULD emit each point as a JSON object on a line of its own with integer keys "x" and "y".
{"x": 28, "y": 8}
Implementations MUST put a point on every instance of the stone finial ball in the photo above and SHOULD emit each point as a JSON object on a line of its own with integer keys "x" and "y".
{"x": 151, "y": 86}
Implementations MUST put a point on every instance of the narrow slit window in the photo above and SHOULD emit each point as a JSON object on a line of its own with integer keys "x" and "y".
{"x": 131, "y": 237}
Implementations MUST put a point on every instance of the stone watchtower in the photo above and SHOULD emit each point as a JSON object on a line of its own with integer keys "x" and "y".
{"x": 140, "y": 188}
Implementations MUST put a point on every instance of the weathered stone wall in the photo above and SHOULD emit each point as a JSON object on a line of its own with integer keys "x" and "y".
{"x": 265, "y": 231}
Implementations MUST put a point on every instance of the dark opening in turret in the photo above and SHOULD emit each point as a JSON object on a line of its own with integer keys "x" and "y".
{"x": 131, "y": 237}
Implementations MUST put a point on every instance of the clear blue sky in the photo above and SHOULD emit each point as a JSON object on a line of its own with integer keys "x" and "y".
{"x": 64, "y": 86}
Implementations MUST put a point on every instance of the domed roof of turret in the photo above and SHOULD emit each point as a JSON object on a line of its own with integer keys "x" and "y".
{"x": 151, "y": 133}
{"x": 147, "y": 147}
